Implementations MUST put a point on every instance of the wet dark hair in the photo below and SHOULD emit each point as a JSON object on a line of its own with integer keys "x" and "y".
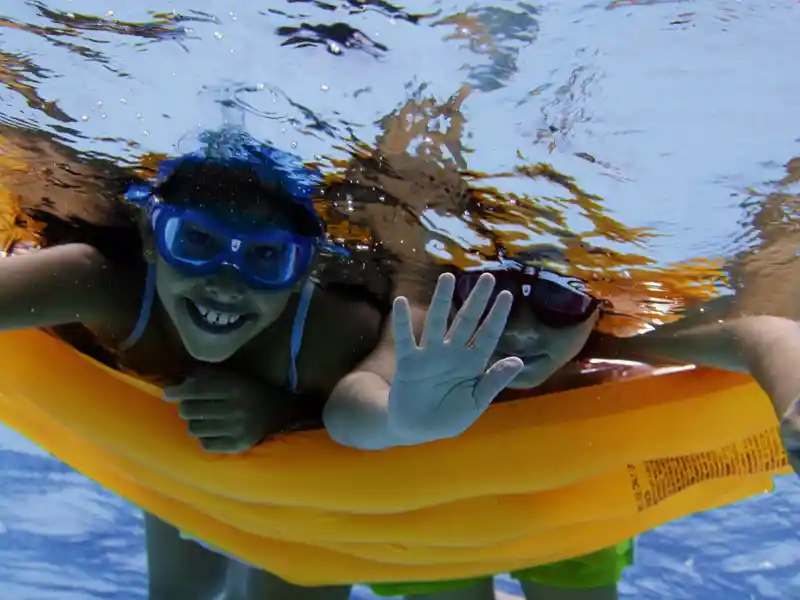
{"x": 237, "y": 189}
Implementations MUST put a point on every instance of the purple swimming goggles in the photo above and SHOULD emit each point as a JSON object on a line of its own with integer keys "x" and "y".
{"x": 557, "y": 301}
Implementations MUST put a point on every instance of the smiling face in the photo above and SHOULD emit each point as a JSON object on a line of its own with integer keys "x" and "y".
{"x": 217, "y": 314}
{"x": 216, "y": 311}
{"x": 544, "y": 350}
{"x": 550, "y": 322}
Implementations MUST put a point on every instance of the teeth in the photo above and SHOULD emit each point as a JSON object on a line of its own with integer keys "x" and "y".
{"x": 217, "y": 318}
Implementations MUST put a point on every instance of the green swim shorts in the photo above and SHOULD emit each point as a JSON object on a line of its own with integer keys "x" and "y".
{"x": 599, "y": 569}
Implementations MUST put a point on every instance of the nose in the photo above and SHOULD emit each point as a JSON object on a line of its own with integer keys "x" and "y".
{"x": 521, "y": 340}
{"x": 225, "y": 286}
{"x": 523, "y": 336}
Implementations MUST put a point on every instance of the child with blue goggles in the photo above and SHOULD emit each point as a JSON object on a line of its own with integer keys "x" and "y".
{"x": 194, "y": 240}
{"x": 223, "y": 302}
{"x": 221, "y": 299}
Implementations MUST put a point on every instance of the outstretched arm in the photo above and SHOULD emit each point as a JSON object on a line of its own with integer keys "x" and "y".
{"x": 72, "y": 283}
{"x": 357, "y": 412}
{"x": 768, "y": 348}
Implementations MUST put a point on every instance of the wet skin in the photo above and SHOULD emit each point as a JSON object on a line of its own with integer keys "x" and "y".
{"x": 218, "y": 314}
{"x": 544, "y": 350}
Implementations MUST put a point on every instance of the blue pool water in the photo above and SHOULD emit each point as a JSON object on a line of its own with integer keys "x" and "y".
{"x": 64, "y": 538}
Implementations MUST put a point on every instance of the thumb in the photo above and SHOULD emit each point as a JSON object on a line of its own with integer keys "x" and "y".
{"x": 495, "y": 380}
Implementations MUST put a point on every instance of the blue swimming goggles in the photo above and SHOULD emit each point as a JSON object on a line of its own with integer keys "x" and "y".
{"x": 194, "y": 242}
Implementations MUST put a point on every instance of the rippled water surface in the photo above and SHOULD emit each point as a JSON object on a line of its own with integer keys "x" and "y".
{"x": 681, "y": 116}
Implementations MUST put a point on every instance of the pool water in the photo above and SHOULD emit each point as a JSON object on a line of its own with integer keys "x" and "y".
{"x": 62, "y": 537}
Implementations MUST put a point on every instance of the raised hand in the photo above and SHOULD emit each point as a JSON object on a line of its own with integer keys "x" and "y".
{"x": 442, "y": 384}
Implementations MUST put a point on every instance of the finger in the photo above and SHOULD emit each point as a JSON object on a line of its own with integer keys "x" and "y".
{"x": 197, "y": 388}
{"x": 223, "y": 445}
{"x": 469, "y": 316}
{"x": 495, "y": 380}
{"x": 488, "y": 335}
{"x": 205, "y": 409}
{"x": 404, "y": 341}
{"x": 439, "y": 311}
{"x": 212, "y": 428}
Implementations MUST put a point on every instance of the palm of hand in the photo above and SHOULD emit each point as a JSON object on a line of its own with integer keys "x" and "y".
{"x": 442, "y": 386}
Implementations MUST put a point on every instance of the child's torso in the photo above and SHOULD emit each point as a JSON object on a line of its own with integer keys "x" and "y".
{"x": 333, "y": 326}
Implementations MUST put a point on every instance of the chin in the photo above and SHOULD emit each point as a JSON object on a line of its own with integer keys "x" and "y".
{"x": 529, "y": 379}
{"x": 207, "y": 350}
{"x": 210, "y": 347}
{"x": 208, "y": 357}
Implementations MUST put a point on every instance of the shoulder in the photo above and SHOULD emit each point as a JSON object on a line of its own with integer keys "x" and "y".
{"x": 66, "y": 287}
{"x": 107, "y": 295}
{"x": 340, "y": 330}
{"x": 344, "y": 320}
{"x": 67, "y": 269}
{"x": 111, "y": 289}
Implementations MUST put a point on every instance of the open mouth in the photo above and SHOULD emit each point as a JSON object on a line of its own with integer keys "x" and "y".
{"x": 528, "y": 359}
{"x": 214, "y": 320}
